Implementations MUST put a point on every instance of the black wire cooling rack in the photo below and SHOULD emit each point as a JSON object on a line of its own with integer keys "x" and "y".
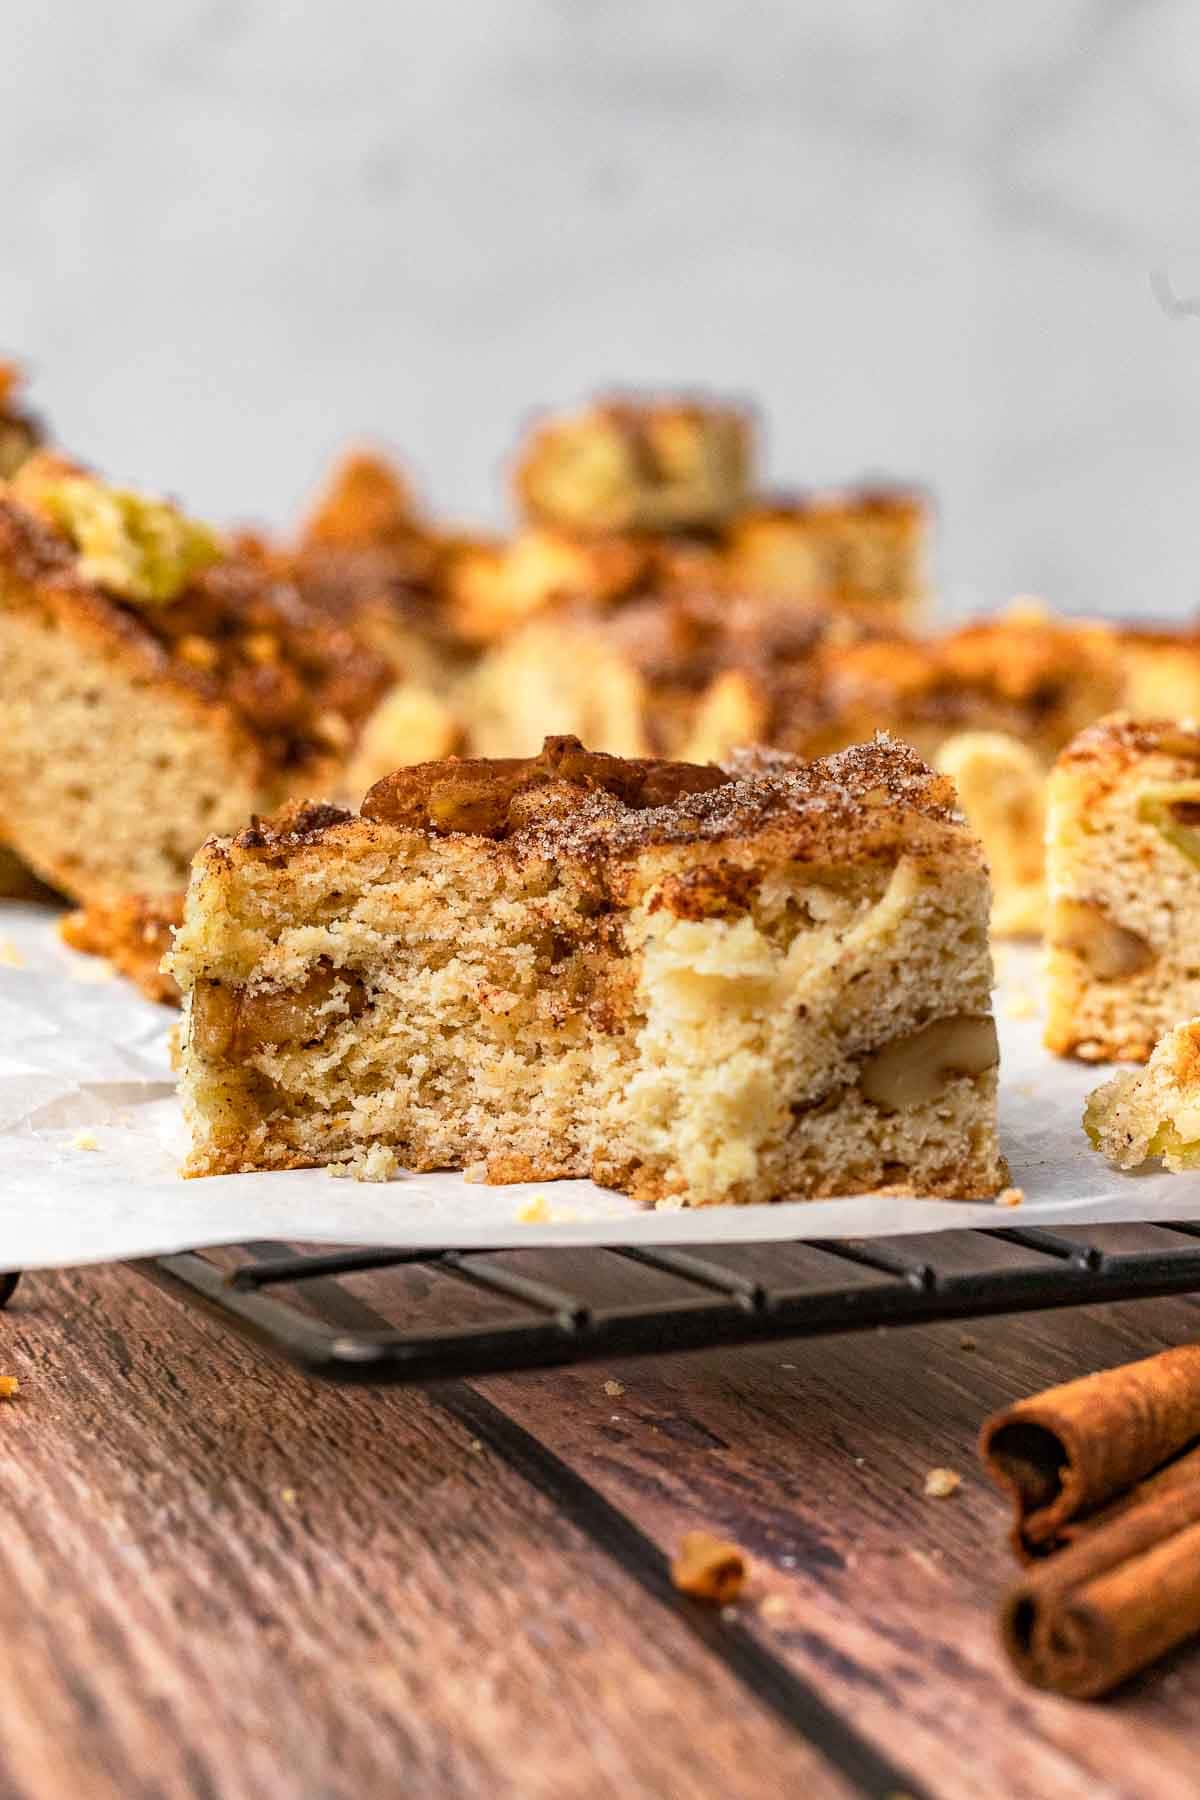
{"x": 424, "y": 1316}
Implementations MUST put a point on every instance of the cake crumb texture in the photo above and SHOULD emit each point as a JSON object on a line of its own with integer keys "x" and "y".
{"x": 694, "y": 984}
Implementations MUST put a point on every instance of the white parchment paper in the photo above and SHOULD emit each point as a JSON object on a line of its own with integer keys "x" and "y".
{"x": 83, "y": 1060}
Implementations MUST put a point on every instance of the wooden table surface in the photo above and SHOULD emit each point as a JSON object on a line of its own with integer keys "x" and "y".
{"x": 219, "y": 1577}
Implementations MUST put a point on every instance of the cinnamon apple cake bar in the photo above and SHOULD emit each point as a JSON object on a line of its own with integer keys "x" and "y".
{"x": 1123, "y": 876}
{"x": 692, "y": 983}
{"x": 156, "y": 685}
{"x": 637, "y": 464}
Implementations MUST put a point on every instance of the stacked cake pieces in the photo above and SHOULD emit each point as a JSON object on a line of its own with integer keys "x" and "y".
{"x": 633, "y": 497}
{"x": 695, "y": 984}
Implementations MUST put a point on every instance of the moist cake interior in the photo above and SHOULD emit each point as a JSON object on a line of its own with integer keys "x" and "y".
{"x": 693, "y": 985}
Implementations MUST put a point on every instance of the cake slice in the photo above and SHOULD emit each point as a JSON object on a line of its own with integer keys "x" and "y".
{"x": 1152, "y": 1112}
{"x": 134, "y": 935}
{"x": 1001, "y": 786}
{"x": 691, "y": 983}
{"x": 862, "y": 551}
{"x": 1123, "y": 879}
{"x": 637, "y": 464}
{"x": 656, "y": 677}
{"x": 156, "y": 685}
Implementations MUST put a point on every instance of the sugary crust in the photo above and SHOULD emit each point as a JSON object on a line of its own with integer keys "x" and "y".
{"x": 864, "y": 803}
{"x": 1106, "y": 751}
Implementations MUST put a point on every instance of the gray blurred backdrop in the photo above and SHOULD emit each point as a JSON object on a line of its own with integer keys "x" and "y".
{"x": 920, "y": 235}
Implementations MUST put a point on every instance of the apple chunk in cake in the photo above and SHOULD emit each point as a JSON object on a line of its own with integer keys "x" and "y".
{"x": 1123, "y": 872}
{"x": 691, "y": 983}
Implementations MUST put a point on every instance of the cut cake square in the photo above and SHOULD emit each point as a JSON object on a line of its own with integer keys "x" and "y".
{"x": 1123, "y": 878}
{"x": 156, "y": 685}
{"x": 694, "y": 984}
{"x": 862, "y": 551}
{"x": 637, "y": 464}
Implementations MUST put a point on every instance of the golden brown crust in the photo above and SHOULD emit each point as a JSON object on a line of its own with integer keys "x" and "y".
{"x": 133, "y": 935}
{"x": 865, "y": 803}
{"x": 487, "y": 798}
{"x": 1113, "y": 745}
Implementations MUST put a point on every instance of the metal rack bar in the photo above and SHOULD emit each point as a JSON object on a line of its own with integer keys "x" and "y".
{"x": 555, "y": 1324}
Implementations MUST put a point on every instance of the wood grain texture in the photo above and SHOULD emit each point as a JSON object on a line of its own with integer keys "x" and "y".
{"x": 220, "y": 1579}
{"x": 813, "y": 1456}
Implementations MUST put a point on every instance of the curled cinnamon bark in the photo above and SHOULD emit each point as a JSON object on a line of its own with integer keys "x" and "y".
{"x": 1122, "y": 1595}
{"x": 1066, "y": 1452}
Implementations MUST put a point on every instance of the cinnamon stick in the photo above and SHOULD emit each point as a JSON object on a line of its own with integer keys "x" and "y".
{"x": 1066, "y": 1452}
{"x": 1122, "y": 1595}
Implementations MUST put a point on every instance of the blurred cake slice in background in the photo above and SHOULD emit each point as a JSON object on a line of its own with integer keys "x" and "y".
{"x": 133, "y": 935}
{"x": 368, "y": 557}
{"x": 637, "y": 464}
{"x": 156, "y": 685}
{"x": 20, "y": 435}
{"x": 1123, "y": 879}
{"x": 863, "y": 551}
{"x": 654, "y": 677}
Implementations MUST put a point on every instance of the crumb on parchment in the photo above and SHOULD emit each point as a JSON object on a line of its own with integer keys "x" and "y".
{"x": 941, "y": 1483}
{"x": 378, "y": 1163}
{"x": 708, "y": 1568}
{"x": 1010, "y": 1196}
{"x": 84, "y": 1140}
{"x": 537, "y": 1210}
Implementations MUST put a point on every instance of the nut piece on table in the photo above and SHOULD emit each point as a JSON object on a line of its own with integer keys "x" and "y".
{"x": 911, "y": 1070}
{"x": 708, "y": 1568}
{"x": 1110, "y": 951}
